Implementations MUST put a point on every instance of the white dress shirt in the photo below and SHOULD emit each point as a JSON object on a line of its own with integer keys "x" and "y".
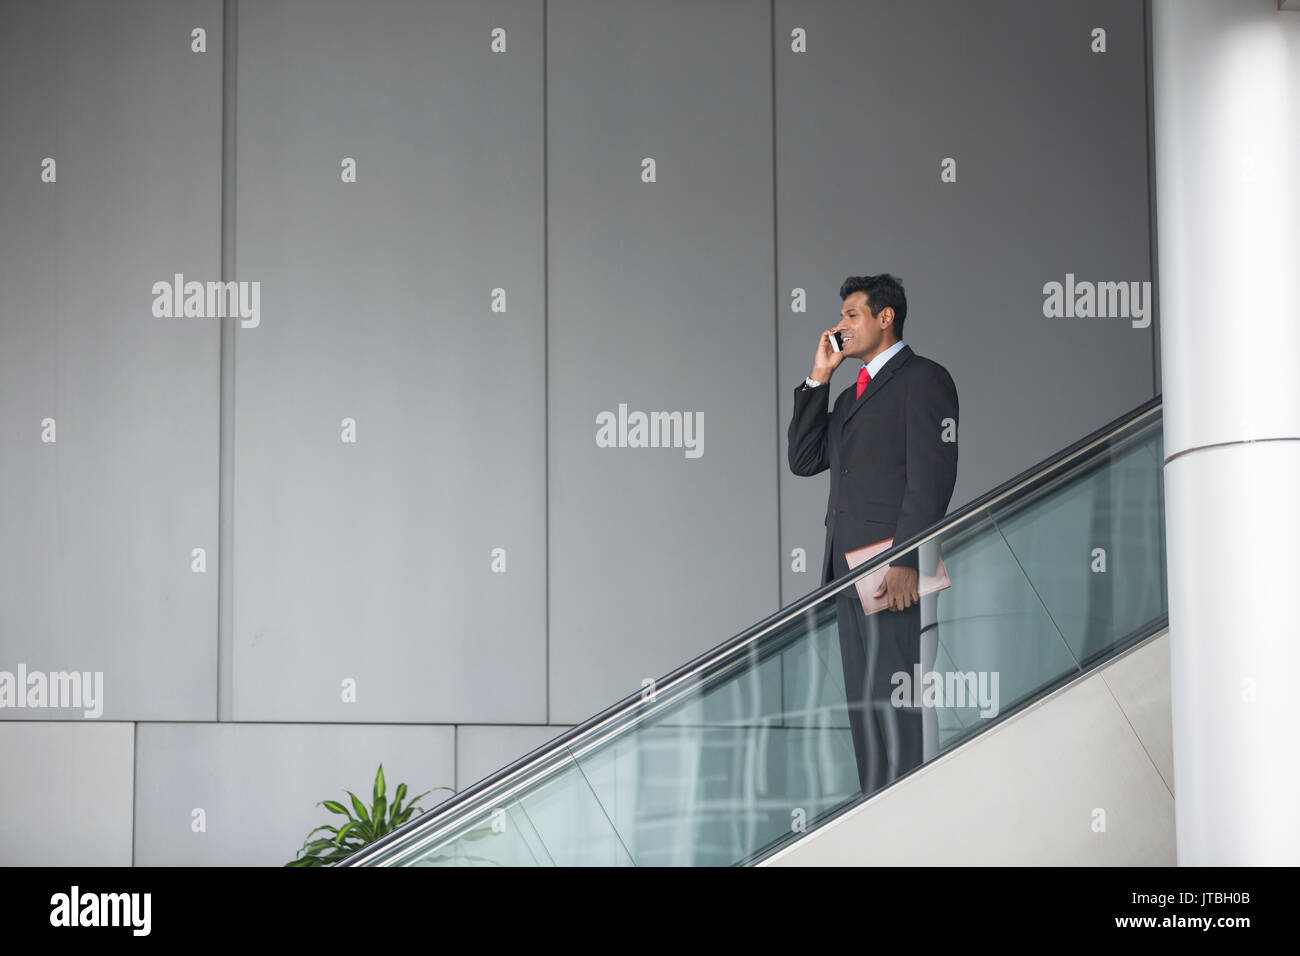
{"x": 877, "y": 363}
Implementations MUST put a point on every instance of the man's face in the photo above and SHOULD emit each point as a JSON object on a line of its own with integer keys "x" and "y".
{"x": 864, "y": 336}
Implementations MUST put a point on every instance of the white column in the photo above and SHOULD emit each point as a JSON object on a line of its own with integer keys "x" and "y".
{"x": 1227, "y": 149}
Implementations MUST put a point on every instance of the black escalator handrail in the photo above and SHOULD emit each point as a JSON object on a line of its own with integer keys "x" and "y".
{"x": 749, "y": 635}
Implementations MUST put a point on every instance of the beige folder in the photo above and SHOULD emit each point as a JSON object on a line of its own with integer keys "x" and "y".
{"x": 869, "y": 585}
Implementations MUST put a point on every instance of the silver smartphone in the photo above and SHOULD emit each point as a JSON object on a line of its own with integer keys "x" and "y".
{"x": 837, "y": 343}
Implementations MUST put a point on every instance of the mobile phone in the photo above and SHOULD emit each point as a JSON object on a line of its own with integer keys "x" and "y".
{"x": 837, "y": 343}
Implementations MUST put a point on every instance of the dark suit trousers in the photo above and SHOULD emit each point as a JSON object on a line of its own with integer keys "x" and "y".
{"x": 887, "y": 740}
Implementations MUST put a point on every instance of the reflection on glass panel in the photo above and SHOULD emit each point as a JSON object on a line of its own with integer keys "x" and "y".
{"x": 999, "y": 646}
{"x": 812, "y": 677}
{"x": 1092, "y": 544}
{"x": 953, "y": 720}
{"x": 571, "y": 823}
{"x": 751, "y": 696}
{"x": 555, "y": 820}
{"x": 711, "y": 796}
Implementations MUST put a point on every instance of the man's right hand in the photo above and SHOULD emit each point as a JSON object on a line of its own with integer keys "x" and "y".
{"x": 827, "y": 360}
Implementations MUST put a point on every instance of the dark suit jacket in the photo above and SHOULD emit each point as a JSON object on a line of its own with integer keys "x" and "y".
{"x": 892, "y": 474}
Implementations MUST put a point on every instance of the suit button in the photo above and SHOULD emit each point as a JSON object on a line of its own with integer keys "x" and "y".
{"x": 844, "y": 471}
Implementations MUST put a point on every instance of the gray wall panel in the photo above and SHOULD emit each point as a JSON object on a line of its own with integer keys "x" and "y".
{"x": 66, "y": 791}
{"x": 660, "y": 298}
{"x": 258, "y": 784}
{"x": 1050, "y": 144}
{"x": 372, "y": 561}
{"x": 95, "y": 573}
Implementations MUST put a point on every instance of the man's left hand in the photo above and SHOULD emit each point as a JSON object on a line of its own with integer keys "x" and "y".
{"x": 900, "y": 583}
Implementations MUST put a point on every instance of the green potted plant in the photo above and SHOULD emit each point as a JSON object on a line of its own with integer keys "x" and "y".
{"x": 365, "y": 827}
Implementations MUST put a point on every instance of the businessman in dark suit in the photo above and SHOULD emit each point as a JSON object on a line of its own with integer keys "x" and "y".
{"x": 890, "y": 443}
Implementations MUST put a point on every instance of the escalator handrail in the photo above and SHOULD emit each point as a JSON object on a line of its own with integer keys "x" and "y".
{"x": 738, "y": 643}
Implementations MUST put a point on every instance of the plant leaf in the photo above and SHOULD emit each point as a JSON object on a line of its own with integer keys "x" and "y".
{"x": 359, "y": 807}
{"x": 380, "y": 786}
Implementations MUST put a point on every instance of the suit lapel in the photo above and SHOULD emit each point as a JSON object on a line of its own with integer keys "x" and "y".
{"x": 879, "y": 380}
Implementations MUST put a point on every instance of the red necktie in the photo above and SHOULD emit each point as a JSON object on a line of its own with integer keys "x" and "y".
{"x": 863, "y": 378}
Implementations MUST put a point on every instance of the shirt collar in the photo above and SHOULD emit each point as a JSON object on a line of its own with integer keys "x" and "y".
{"x": 878, "y": 362}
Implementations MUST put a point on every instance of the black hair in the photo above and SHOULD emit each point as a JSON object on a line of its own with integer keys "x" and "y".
{"x": 882, "y": 291}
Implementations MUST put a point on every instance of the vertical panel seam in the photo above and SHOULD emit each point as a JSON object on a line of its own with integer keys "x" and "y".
{"x": 546, "y": 383}
{"x": 135, "y": 785}
{"x": 776, "y": 347}
{"x": 226, "y": 384}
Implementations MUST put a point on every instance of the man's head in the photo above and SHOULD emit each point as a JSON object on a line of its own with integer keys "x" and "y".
{"x": 871, "y": 318}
